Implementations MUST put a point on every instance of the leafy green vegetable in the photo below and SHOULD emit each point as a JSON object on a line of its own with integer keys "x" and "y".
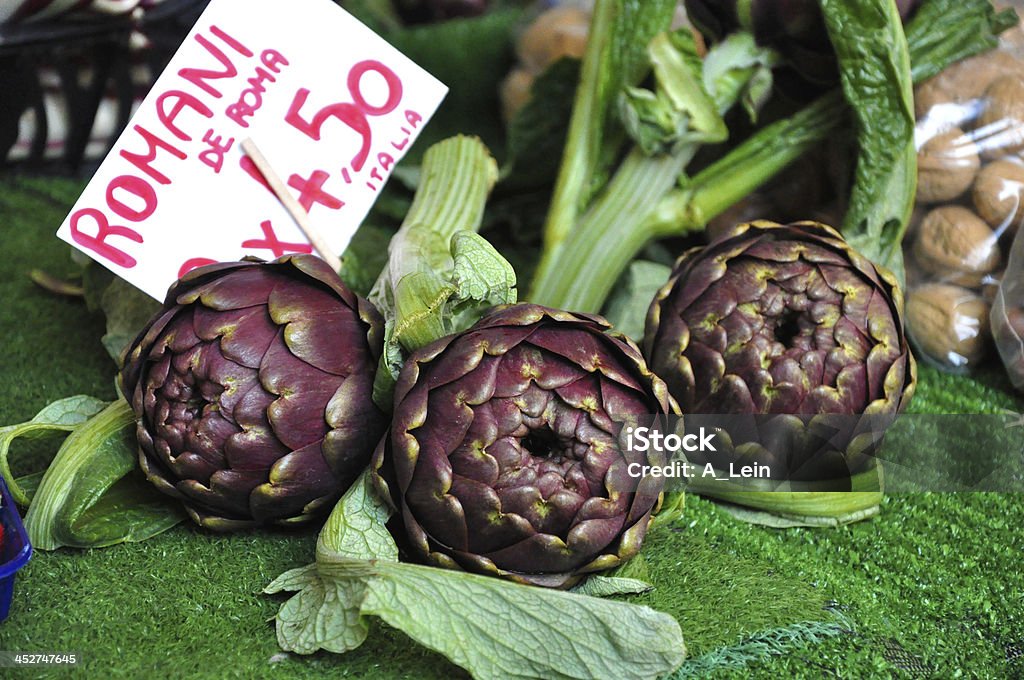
{"x": 58, "y": 418}
{"x": 617, "y": 225}
{"x": 544, "y": 633}
{"x": 874, "y": 68}
{"x": 942, "y": 32}
{"x": 739, "y": 70}
{"x": 91, "y": 496}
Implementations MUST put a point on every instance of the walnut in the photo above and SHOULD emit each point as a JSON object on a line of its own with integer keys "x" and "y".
{"x": 557, "y": 32}
{"x": 948, "y": 324}
{"x": 955, "y": 244}
{"x": 998, "y": 192}
{"x": 946, "y": 166}
{"x": 965, "y": 80}
{"x": 1000, "y": 128}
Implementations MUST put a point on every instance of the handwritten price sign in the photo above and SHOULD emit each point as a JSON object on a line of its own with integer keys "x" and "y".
{"x": 331, "y": 105}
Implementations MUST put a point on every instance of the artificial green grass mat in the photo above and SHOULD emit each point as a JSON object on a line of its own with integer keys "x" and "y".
{"x": 934, "y": 585}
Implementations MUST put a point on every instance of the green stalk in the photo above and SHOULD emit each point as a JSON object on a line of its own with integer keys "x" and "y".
{"x": 440, "y": 274}
{"x": 580, "y": 274}
{"x": 583, "y": 146}
{"x": 456, "y": 177}
{"x": 747, "y": 167}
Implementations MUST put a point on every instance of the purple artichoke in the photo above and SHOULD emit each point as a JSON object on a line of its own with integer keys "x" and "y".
{"x": 776, "y": 320}
{"x": 252, "y": 388}
{"x": 504, "y": 455}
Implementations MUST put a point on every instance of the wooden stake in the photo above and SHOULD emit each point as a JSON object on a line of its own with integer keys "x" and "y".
{"x": 297, "y": 212}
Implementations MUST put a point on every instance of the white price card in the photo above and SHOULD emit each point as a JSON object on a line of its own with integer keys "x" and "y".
{"x": 331, "y": 105}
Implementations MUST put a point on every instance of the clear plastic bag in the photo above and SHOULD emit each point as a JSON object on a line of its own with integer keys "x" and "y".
{"x": 970, "y": 203}
{"x": 1008, "y": 314}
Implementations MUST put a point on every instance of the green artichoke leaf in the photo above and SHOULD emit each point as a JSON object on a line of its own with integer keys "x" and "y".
{"x": 413, "y": 290}
{"x": 627, "y": 307}
{"x": 874, "y": 65}
{"x": 356, "y": 528}
{"x": 324, "y": 614}
{"x": 738, "y": 69}
{"x": 544, "y": 633}
{"x": 609, "y": 586}
{"x": 482, "y": 279}
{"x": 57, "y": 418}
{"x": 91, "y": 495}
{"x": 680, "y": 110}
{"x": 357, "y": 574}
{"x": 128, "y": 310}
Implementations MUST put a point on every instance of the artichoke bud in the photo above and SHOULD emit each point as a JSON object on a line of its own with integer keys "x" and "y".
{"x": 505, "y": 457}
{"x": 252, "y": 391}
{"x": 788, "y": 340}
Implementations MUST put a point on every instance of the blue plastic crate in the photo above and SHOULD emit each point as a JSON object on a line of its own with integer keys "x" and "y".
{"x": 14, "y": 552}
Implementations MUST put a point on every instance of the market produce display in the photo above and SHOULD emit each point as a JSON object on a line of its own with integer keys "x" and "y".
{"x": 439, "y": 435}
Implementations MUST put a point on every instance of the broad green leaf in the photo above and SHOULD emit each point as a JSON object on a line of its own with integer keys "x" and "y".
{"x": 543, "y": 633}
{"x": 92, "y": 495}
{"x": 482, "y": 279}
{"x": 537, "y": 132}
{"x": 942, "y": 32}
{"x": 60, "y": 417}
{"x": 629, "y": 302}
{"x": 293, "y": 580}
{"x": 323, "y": 615}
{"x": 356, "y": 527}
{"x": 608, "y": 586}
{"x": 128, "y": 310}
{"x": 874, "y": 66}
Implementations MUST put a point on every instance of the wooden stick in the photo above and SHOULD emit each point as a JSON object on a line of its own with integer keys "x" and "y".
{"x": 297, "y": 212}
